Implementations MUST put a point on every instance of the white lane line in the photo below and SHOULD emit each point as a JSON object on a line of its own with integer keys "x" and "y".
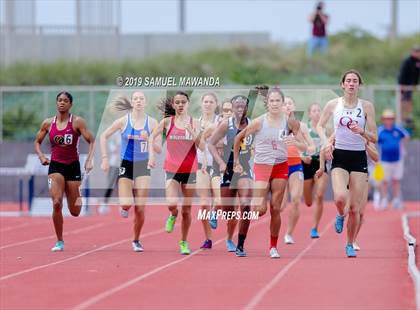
{"x": 12, "y": 275}
{"x": 95, "y": 299}
{"x": 52, "y": 236}
{"x": 260, "y": 295}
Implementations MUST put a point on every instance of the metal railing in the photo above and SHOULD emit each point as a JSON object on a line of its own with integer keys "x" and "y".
{"x": 90, "y": 101}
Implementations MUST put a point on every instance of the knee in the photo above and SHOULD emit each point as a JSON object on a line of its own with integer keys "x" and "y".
{"x": 57, "y": 204}
{"x": 340, "y": 199}
{"x": 172, "y": 202}
{"x": 186, "y": 211}
{"x": 319, "y": 197}
{"x": 244, "y": 202}
{"x": 295, "y": 200}
{"x": 139, "y": 210}
{"x": 204, "y": 203}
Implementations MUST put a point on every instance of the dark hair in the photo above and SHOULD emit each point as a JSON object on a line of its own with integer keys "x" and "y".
{"x": 67, "y": 94}
{"x": 165, "y": 104}
{"x": 121, "y": 103}
{"x": 238, "y": 97}
{"x": 359, "y": 76}
{"x": 273, "y": 90}
{"x": 182, "y": 94}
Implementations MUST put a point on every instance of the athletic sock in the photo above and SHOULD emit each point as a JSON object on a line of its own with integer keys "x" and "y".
{"x": 273, "y": 241}
{"x": 241, "y": 240}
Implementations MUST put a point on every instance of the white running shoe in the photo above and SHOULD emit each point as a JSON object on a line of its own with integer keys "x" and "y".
{"x": 58, "y": 247}
{"x": 103, "y": 209}
{"x": 384, "y": 203}
{"x": 274, "y": 253}
{"x": 137, "y": 247}
{"x": 356, "y": 246}
{"x": 376, "y": 200}
{"x": 288, "y": 239}
{"x": 396, "y": 203}
{"x": 124, "y": 213}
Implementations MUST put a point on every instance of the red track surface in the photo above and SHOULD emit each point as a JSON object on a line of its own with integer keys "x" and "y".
{"x": 98, "y": 269}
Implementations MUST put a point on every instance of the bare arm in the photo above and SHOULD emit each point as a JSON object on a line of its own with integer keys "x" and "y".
{"x": 40, "y": 136}
{"x": 253, "y": 127}
{"x": 372, "y": 151}
{"x": 156, "y": 133}
{"x": 81, "y": 126}
{"x": 217, "y": 135}
{"x": 323, "y": 120}
{"x": 371, "y": 134}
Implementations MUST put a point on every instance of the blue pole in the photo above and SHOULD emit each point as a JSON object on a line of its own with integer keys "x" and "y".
{"x": 30, "y": 191}
{"x": 20, "y": 194}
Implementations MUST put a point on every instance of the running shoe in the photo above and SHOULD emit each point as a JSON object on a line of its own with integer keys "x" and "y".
{"x": 231, "y": 247}
{"x": 124, "y": 213}
{"x": 350, "y": 251}
{"x": 288, "y": 239}
{"x": 183, "y": 246}
{"x": 170, "y": 223}
{"x": 274, "y": 253}
{"x": 137, "y": 247}
{"x": 339, "y": 223}
{"x": 396, "y": 203}
{"x": 58, "y": 247}
{"x": 314, "y": 233}
{"x": 103, "y": 209}
{"x": 213, "y": 220}
{"x": 240, "y": 252}
{"x": 356, "y": 246}
{"x": 207, "y": 244}
{"x": 384, "y": 203}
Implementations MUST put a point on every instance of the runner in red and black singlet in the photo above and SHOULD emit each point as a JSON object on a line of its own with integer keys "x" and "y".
{"x": 182, "y": 139}
{"x": 64, "y": 175}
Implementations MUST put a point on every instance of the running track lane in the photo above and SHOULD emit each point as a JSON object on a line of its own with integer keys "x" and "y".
{"x": 222, "y": 280}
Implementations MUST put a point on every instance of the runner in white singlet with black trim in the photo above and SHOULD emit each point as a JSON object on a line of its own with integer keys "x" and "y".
{"x": 354, "y": 122}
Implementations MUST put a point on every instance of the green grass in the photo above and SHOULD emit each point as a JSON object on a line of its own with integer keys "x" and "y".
{"x": 377, "y": 60}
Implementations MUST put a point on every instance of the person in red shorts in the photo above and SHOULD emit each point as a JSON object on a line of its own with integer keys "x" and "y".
{"x": 64, "y": 175}
{"x": 270, "y": 162}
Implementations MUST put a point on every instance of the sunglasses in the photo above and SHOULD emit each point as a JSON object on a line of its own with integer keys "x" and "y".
{"x": 227, "y": 110}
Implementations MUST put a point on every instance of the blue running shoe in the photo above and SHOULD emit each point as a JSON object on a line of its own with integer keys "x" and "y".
{"x": 58, "y": 247}
{"x": 240, "y": 252}
{"x": 314, "y": 233}
{"x": 339, "y": 223}
{"x": 213, "y": 220}
{"x": 231, "y": 247}
{"x": 350, "y": 251}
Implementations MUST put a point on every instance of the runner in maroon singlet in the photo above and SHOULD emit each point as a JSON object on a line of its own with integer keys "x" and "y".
{"x": 64, "y": 175}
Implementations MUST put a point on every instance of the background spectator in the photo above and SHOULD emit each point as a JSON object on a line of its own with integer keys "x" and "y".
{"x": 408, "y": 79}
{"x": 319, "y": 40}
{"x": 390, "y": 138}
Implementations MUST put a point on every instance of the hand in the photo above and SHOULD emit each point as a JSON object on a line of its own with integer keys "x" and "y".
{"x": 311, "y": 150}
{"x": 319, "y": 173}
{"x": 328, "y": 151}
{"x": 44, "y": 160}
{"x": 306, "y": 159}
{"x": 105, "y": 164}
{"x": 237, "y": 168}
{"x": 89, "y": 166}
{"x": 157, "y": 148}
{"x": 151, "y": 163}
{"x": 222, "y": 167}
{"x": 356, "y": 129}
{"x": 289, "y": 140}
{"x": 191, "y": 130}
